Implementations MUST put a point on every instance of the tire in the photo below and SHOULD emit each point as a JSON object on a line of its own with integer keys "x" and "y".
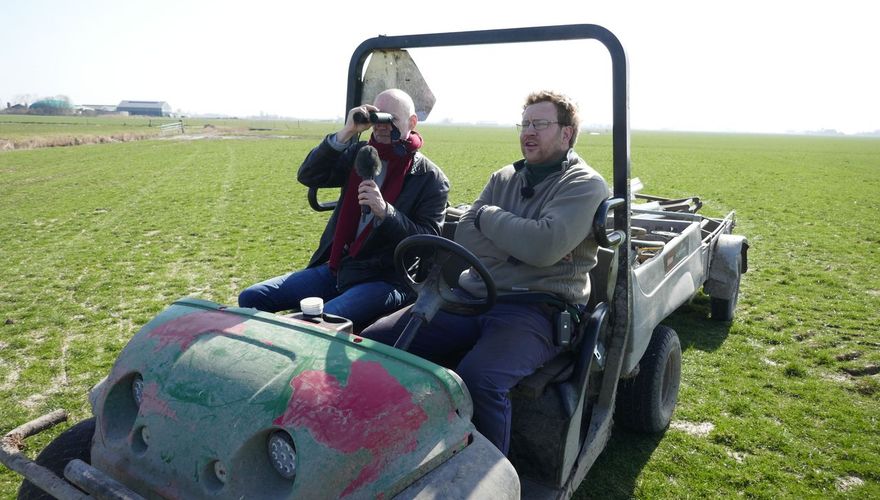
{"x": 725, "y": 309}
{"x": 645, "y": 402}
{"x": 75, "y": 442}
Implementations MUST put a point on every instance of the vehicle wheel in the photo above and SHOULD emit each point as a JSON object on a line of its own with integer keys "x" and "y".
{"x": 724, "y": 309}
{"x": 75, "y": 442}
{"x": 645, "y": 402}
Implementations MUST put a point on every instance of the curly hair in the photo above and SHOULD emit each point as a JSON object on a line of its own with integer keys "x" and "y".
{"x": 566, "y": 110}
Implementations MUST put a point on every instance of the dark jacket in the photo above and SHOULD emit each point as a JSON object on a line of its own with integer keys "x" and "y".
{"x": 419, "y": 209}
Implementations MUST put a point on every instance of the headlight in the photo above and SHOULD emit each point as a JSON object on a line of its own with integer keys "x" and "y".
{"x": 282, "y": 454}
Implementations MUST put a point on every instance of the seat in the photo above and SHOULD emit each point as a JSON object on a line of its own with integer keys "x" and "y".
{"x": 602, "y": 279}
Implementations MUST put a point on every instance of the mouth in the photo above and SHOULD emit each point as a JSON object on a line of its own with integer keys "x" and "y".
{"x": 382, "y": 137}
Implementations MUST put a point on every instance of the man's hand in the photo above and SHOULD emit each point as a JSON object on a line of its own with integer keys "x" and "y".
{"x": 370, "y": 196}
{"x": 353, "y": 128}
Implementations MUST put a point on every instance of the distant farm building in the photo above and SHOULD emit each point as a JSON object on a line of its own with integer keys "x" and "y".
{"x": 96, "y": 109}
{"x": 51, "y": 107}
{"x": 146, "y": 108}
{"x": 16, "y": 109}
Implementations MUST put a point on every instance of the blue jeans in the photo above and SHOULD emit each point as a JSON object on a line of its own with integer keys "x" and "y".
{"x": 361, "y": 303}
{"x": 501, "y": 347}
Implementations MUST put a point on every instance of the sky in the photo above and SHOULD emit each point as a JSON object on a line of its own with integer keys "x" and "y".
{"x": 765, "y": 66}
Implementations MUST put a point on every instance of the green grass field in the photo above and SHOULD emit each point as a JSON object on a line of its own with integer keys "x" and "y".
{"x": 781, "y": 403}
{"x": 32, "y": 131}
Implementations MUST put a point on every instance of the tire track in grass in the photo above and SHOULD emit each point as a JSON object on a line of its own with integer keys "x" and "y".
{"x": 213, "y": 273}
{"x": 198, "y": 269}
{"x": 63, "y": 290}
{"x": 113, "y": 218}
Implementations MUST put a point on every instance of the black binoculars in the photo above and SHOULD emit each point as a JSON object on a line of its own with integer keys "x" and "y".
{"x": 374, "y": 118}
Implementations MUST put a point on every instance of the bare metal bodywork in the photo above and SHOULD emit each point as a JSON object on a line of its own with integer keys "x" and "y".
{"x": 687, "y": 251}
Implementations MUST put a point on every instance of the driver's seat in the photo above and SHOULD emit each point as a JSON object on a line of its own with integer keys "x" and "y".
{"x": 551, "y": 407}
{"x": 602, "y": 279}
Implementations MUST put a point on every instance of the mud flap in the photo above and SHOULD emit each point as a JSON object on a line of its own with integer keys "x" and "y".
{"x": 727, "y": 265}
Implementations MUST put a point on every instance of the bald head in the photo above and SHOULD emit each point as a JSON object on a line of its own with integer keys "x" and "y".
{"x": 399, "y": 104}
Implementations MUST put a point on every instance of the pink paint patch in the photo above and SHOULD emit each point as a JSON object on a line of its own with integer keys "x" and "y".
{"x": 152, "y": 405}
{"x": 373, "y": 412}
{"x": 185, "y": 329}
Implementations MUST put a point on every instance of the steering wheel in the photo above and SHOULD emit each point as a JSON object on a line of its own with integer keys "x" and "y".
{"x": 434, "y": 291}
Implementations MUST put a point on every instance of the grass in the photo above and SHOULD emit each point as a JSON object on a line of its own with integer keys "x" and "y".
{"x": 782, "y": 402}
{"x": 31, "y": 131}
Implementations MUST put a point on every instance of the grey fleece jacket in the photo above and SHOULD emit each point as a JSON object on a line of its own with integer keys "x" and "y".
{"x": 542, "y": 243}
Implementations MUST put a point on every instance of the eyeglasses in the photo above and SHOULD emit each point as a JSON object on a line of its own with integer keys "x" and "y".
{"x": 538, "y": 124}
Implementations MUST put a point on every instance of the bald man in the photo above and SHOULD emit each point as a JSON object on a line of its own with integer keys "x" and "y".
{"x": 353, "y": 268}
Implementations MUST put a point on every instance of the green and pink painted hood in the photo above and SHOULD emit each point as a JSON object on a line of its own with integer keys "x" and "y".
{"x": 213, "y": 383}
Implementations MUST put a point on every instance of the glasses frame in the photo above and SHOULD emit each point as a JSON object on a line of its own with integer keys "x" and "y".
{"x": 527, "y": 124}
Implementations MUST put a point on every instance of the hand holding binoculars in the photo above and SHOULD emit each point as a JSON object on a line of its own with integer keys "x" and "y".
{"x": 374, "y": 117}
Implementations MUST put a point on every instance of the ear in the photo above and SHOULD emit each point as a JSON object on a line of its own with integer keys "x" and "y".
{"x": 413, "y": 120}
{"x": 567, "y": 132}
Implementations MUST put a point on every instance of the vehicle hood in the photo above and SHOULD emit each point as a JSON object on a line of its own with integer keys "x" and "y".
{"x": 366, "y": 419}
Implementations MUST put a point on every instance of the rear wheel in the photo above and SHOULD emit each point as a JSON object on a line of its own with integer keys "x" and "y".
{"x": 75, "y": 442}
{"x": 645, "y": 402}
{"x": 724, "y": 309}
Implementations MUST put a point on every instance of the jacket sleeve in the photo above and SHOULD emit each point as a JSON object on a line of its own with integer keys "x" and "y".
{"x": 326, "y": 167}
{"x": 467, "y": 234}
{"x": 426, "y": 217}
{"x": 563, "y": 223}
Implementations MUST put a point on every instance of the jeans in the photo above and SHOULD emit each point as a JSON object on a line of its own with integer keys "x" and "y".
{"x": 361, "y": 303}
{"x": 500, "y": 348}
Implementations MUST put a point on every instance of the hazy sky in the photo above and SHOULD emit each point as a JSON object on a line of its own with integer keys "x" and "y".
{"x": 747, "y": 65}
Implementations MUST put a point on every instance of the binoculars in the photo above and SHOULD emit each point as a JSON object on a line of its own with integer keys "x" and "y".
{"x": 374, "y": 118}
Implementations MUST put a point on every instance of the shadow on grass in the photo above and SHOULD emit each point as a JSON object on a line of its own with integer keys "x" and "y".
{"x": 615, "y": 472}
{"x": 694, "y": 327}
{"x": 618, "y": 467}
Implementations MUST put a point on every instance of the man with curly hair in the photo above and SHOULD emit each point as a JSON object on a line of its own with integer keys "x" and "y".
{"x": 532, "y": 228}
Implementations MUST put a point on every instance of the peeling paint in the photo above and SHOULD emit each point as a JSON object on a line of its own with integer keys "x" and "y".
{"x": 184, "y": 330}
{"x": 152, "y": 404}
{"x": 373, "y": 411}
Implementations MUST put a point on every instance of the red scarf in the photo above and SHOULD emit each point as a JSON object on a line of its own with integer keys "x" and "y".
{"x": 397, "y": 166}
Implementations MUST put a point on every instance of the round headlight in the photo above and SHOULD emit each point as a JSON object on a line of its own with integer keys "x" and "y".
{"x": 282, "y": 454}
{"x": 137, "y": 389}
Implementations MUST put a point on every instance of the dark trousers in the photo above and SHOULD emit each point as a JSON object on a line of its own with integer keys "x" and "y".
{"x": 500, "y": 348}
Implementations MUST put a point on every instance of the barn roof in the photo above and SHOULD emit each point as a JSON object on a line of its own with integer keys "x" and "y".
{"x": 144, "y": 105}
